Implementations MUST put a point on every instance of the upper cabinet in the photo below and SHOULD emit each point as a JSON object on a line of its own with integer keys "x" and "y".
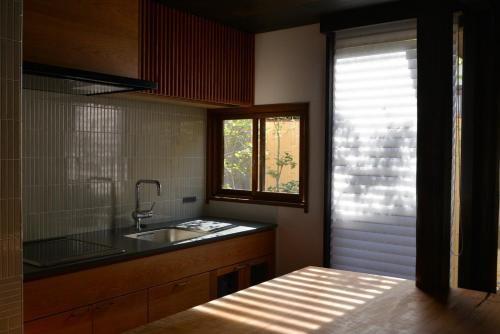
{"x": 100, "y": 36}
{"x": 195, "y": 59}
{"x": 192, "y": 59}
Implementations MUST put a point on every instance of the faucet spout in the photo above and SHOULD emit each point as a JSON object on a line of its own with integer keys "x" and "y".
{"x": 139, "y": 214}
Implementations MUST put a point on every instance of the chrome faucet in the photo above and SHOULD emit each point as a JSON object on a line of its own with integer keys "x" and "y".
{"x": 139, "y": 214}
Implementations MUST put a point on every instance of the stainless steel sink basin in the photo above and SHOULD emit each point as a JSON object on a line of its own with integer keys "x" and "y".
{"x": 166, "y": 235}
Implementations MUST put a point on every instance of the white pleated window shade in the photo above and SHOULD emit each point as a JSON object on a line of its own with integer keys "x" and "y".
{"x": 374, "y": 150}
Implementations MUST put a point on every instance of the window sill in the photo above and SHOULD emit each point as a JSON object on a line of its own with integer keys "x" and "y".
{"x": 258, "y": 201}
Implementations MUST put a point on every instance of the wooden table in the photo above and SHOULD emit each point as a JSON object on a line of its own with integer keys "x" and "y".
{"x": 319, "y": 300}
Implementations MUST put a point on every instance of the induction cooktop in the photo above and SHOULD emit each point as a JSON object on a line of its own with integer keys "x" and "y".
{"x": 51, "y": 252}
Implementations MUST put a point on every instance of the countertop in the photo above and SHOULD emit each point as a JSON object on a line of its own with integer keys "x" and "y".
{"x": 320, "y": 300}
{"x": 135, "y": 248}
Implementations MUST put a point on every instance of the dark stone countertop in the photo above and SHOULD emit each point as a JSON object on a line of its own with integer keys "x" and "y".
{"x": 135, "y": 248}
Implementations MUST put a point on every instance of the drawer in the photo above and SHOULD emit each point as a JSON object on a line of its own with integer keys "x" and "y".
{"x": 77, "y": 321}
{"x": 122, "y": 313}
{"x": 178, "y": 296}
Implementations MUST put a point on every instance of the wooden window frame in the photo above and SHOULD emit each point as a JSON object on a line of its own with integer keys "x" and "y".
{"x": 215, "y": 154}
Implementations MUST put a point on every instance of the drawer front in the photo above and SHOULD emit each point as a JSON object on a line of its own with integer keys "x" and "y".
{"x": 78, "y": 321}
{"x": 122, "y": 313}
{"x": 178, "y": 296}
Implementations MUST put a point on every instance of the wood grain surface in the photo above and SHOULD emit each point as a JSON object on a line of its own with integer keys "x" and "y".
{"x": 320, "y": 300}
{"x": 194, "y": 59}
{"x": 101, "y": 36}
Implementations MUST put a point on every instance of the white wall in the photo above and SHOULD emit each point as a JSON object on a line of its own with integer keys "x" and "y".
{"x": 290, "y": 67}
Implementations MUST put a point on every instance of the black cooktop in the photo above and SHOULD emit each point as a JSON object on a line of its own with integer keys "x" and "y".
{"x": 50, "y": 252}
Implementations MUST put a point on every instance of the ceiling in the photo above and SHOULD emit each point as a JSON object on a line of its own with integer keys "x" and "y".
{"x": 266, "y": 15}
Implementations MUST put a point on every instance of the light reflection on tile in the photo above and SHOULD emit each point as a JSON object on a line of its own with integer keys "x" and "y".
{"x": 83, "y": 155}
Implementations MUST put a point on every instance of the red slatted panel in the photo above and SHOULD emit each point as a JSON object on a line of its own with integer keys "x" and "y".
{"x": 195, "y": 59}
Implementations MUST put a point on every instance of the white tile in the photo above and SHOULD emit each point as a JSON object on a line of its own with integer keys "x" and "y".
{"x": 98, "y": 148}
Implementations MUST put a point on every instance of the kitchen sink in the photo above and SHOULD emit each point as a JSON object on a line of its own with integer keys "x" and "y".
{"x": 166, "y": 235}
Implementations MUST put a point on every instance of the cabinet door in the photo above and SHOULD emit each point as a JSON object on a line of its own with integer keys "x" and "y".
{"x": 78, "y": 321}
{"x": 227, "y": 280}
{"x": 197, "y": 60}
{"x": 101, "y": 36}
{"x": 260, "y": 270}
{"x": 178, "y": 296}
{"x": 122, "y": 313}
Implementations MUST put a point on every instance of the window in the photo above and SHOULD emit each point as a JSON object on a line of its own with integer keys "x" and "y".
{"x": 373, "y": 149}
{"x": 258, "y": 154}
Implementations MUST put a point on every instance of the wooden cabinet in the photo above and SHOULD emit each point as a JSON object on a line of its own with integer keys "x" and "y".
{"x": 120, "y": 314}
{"x": 178, "y": 296}
{"x": 100, "y": 36}
{"x": 124, "y": 295}
{"x": 230, "y": 279}
{"x": 107, "y": 317}
{"x": 191, "y": 58}
{"x": 65, "y": 292}
{"x": 194, "y": 59}
{"x": 77, "y": 321}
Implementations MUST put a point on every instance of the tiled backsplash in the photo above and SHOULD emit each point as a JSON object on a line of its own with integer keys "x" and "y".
{"x": 83, "y": 155}
{"x": 10, "y": 168}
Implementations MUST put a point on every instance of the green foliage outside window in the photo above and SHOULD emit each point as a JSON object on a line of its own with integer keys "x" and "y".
{"x": 238, "y": 152}
{"x": 281, "y": 159}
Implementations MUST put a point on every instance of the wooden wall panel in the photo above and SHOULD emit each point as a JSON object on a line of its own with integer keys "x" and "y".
{"x": 195, "y": 59}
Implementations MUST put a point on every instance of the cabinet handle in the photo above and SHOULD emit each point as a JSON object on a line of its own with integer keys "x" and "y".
{"x": 181, "y": 283}
{"x": 240, "y": 266}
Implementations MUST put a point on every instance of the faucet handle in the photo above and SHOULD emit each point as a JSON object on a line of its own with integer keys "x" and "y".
{"x": 152, "y": 206}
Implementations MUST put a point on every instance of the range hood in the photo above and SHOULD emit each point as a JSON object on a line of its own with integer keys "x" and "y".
{"x": 78, "y": 82}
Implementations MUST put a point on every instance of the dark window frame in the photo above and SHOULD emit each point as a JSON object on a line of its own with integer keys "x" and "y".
{"x": 215, "y": 155}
